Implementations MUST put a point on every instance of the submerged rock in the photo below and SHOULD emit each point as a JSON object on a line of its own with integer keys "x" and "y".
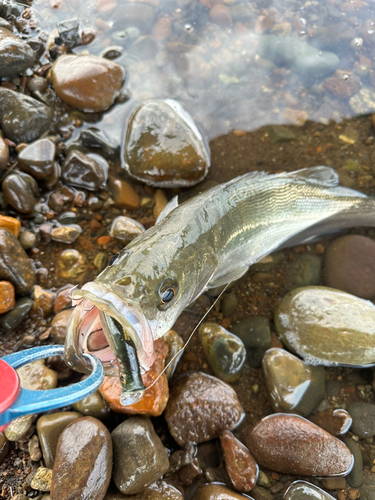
{"x": 15, "y": 54}
{"x": 327, "y": 327}
{"x": 163, "y": 146}
{"x": 301, "y": 490}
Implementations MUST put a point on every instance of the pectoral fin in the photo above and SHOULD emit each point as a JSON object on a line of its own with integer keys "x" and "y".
{"x": 232, "y": 275}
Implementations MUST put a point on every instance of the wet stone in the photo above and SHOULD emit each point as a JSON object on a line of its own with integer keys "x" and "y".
{"x": 4, "y": 447}
{"x": 350, "y": 265}
{"x": 83, "y": 462}
{"x": 175, "y": 344}
{"x": 23, "y": 118}
{"x": 71, "y": 264}
{"x": 328, "y": 327}
{"x": 259, "y": 493}
{"x": 124, "y": 194}
{"x": 292, "y": 445}
{"x": 160, "y": 490}
{"x": 62, "y": 298}
{"x": 303, "y": 271}
{"x": 15, "y": 265}
{"x": 363, "y": 102}
{"x": 43, "y": 301}
{"x": 19, "y": 427}
{"x": 69, "y": 33}
{"x": 229, "y": 304}
{"x": 301, "y": 490}
{"x": 292, "y": 385}
{"x": 343, "y": 84}
{"x": 363, "y": 415}
{"x": 336, "y": 422}
{"x": 15, "y": 54}
{"x": 27, "y": 239}
{"x": 58, "y": 325}
{"x": 87, "y": 82}
{"x": 163, "y": 146}
{"x": 255, "y": 333}
{"x": 13, "y": 318}
{"x": 218, "y": 491}
{"x": 96, "y": 138}
{"x": 37, "y": 159}
{"x": 92, "y": 405}
{"x": 139, "y": 455}
{"x": 201, "y": 408}
{"x": 125, "y": 229}
{"x": 334, "y": 483}
{"x": 239, "y": 463}
{"x": 355, "y": 478}
{"x": 19, "y": 191}
{"x": 85, "y": 171}
{"x": 6, "y": 296}
{"x": 161, "y": 201}
{"x": 42, "y": 479}
{"x": 49, "y": 428}
{"x": 224, "y": 351}
{"x": 66, "y": 234}
{"x": 4, "y": 154}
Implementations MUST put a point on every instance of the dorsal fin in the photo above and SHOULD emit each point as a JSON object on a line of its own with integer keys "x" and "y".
{"x": 325, "y": 176}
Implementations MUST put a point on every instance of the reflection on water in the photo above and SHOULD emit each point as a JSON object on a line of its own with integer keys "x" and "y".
{"x": 233, "y": 64}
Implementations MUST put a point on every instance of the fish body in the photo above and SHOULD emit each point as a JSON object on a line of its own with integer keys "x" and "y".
{"x": 210, "y": 240}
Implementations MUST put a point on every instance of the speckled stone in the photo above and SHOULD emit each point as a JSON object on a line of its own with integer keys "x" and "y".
{"x": 19, "y": 427}
{"x": 36, "y": 376}
{"x": 42, "y": 479}
{"x": 336, "y": 422}
{"x": 363, "y": 415}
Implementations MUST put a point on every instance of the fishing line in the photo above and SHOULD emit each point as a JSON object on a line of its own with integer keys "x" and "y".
{"x": 190, "y": 336}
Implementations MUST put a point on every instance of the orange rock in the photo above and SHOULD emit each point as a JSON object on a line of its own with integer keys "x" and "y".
{"x": 155, "y": 399}
{"x": 162, "y": 29}
{"x": 11, "y": 223}
{"x": 62, "y": 298}
{"x": 161, "y": 201}
{"x": 6, "y": 296}
{"x": 220, "y": 14}
{"x": 104, "y": 240}
{"x": 124, "y": 194}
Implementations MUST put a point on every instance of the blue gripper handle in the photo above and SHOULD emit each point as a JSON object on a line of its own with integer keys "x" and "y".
{"x": 29, "y": 402}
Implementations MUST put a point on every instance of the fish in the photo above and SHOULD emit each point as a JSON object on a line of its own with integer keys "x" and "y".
{"x": 208, "y": 241}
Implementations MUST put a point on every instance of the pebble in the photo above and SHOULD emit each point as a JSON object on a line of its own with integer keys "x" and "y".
{"x": 355, "y": 478}
{"x": 163, "y": 146}
{"x": 216, "y": 492}
{"x": 97, "y": 138}
{"x": 228, "y": 304}
{"x": 23, "y": 118}
{"x": 87, "y": 82}
{"x": 62, "y": 298}
{"x": 303, "y": 271}
{"x": 161, "y": 201}
{"x": 49, "y": 428}
{"x": 58, "y": 325}
{"x": 239, "y": 463}
{"x": 350, "y": 265}
{"x": 19, "y": 190}
{"x": 225, "y": 352}
{"x": 336, "y": 422}
{"x": 14, "y": 317}
{"x": 7, "y": 295}
{"x": 15, "y": 54}
{"x": 138, "y": 454}
{"x": 367, "y": 490}
{"x": 160, "y": 490}
{"x": 255, "y": 333}
{"x": 292, "y": 445}
{"x": 34, "y": 450}
{"x": 124, "y": 194}
{"x": 66, "y": 234}
{"x": 85, "y": 171}
{"x": 37, "y": 159}
{"x": 201, "y": 408}
{"x": 69, "y": 33}
{"x": 363, "y": 415}
{"x": 92, "y": 405}
{"x": 27, "y": 239}
{"x": 43, "y": 301}
{"x": 19, "y": 428}
{"x": 42, "y": 479}
{"x": 36, "y": 376}
{"x": 154, "y": 400}
{"x": 71, "y": 264}
{"x": 83, "y": 463}
{"x": 315, "y": 323}
{"x": 15, "y": 265}
{"x": 125, "y": 229}
{"x": 334, "y": 483}
{"x": 292, "y": 385}
{"x": 10, "y": 223}
{"x": 343, "y": 84}
{"x": 175, "y": 345}
{"x": 4, "y": 447}
{"x": 301, "y": 490}
{"x": 4, "y": 154}
{"x": 363, "y": 102}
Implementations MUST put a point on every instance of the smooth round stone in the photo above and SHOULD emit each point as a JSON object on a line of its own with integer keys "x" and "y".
{"x": 292, "y": 385}
{"x": 36, "y": 376}
{"x": 239, "y": 463}
{"x": 19, "y": 190}
{"x": 85, "y": 171}
{"x": 125, "y": 229}
{"x": 58, "y": 325}
{"x": 301, "y": 490}
{"x": 292, "y": 445}
{"x": 42, "y": 479}
{"x": 23, "y": 118}
{"x": 71, "y": 264}
{"x": 66, "y": 234}
{"x": 139, "y": 457}
{"x": 15, "y": 54}
{"x": 92, "y": 405}
{"x": 6, "y": 296}
{"x": 163, "y": 146}
{"x": 27, "y": 239}
{"x": 19, "y": 427}
{"x": 229, "y": 304}
{"x": 255, "y": 333}
{"x": 20, "y": 311}
{"x": 327, "y": 327}
{"x": 4, "y": 154}
{"x": 355, "y": 478}
{"x": 87, "y": 82}
{"x": 201, "y": 408}
{"x": 350, "y": 265}
{"x": 49, "y": 428}
{"x": 83, "y": 463}
{"x": 225, "y": 353}
{"x": 363, "y": 415}
{"x": 303, "y": 271}
{"x": 37, "y": 159}
{"x": 336, "y": 422}
{"x": 15, "y": 265}
{"x": 124, "y": 195}
{"x": 218, "y": 492}
{"x": 4, "y": 447}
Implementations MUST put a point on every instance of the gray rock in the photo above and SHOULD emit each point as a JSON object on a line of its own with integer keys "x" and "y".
{"x": 303, "y": 271}
{"x": 138, "y": 454}
{"x": 15, "y": 54}
{"x": 367, "y": 489}
{"x": 254, "y": 331}
{"x": 13, "y": 318}
{"x": 19, "y": 191}
{"x": 363, "y": 415}
{"x": 228, "y": 304}
{"x": 85, "y": 171}
{"x": 355, "y": 478}
{"x": 37, "y": 158}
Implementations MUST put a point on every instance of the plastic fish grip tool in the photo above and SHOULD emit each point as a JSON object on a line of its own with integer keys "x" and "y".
{"x": 16, "y": 402}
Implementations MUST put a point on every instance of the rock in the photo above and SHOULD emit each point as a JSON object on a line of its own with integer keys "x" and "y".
{"x": 259, "y": 493}
{"x": 154, "y": 400}
{"x": 125, "y": 229}
{"x": 162, "y": 29}
{"x": 66, "y": 234}
{"x": 15, "y": 265}
{"x": 159, "y": 490}
{"x": 161, "y": 201}
{"x": 225, "y": 353}
{"x": 42, "y": 479}
{"x": 19, "y": 190}
{"x": 87, "y": 82}
{"x": 34, "y": 449}
{"x": 363, "y": 102}
{"x": 139, "y": 455}
{"x": 217, "y": 491}
{"x": 62, "y": 298}
{"x": 201, "y": 408}
{"x": 27, "y": 239}
{"x": 10, "y": 223}
{"x": 92, "y": 405}
{"x": 163, "y": 146}
{"x": 37, "y": 159}
{"x": 15, "y": 54}
{"x": 124, "y": 194}
{"x": 43, "y": 301}
{"x": 97, "y": 138}
{"x": 327, "y": 327}
{"x": 4, "y": 154}
{"x": 36, "y": 376}
{"x": 4, "y": 447}
{"x": 343, "y": 84}
{"x": 299, "y": 56}
{"x": 134, "y": 14}
{"x": 49, "y": 428}
{"x": 175, "y": 345}
{"x": 255, "y": 333}
{"x": 350, "y": 265}
{"x": 228, "y": 304}
{"x": 220, "y": 14}
{"x": 71, "y": 265}
{"x": 367, "y": 490}
{"x": 334, "y": 483}
{"x": 292, "y": 385}
{"x": 69, "y": 33}
{"x": 301, "y": 490}
{"x": 83, "y": 463}
{"x": 85, "y": 171}
{"x": 239, "y": 463}
{"x": 292, "y": 445}
{"x": 303, "y": 271}
{"x": 19, "y": 428}
{"x": 6, "y": 296}
{"x": 13, "y": 318}
{"x": 363, "y": 415}
{"x": 58, "y": 326}
{"x": 355, "y": 478}
{"x": 336, "y": 422}
{"x": 23, "y": 118}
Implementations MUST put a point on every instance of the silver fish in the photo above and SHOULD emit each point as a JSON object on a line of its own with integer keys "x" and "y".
{"x": 208, "y": 241}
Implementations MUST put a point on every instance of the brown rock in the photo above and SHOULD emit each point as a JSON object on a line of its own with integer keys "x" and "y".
{"x": 87, "y": 82}
{"x": 161, "y": 201}
{"x": 350, "y": 265}
{"x": 4, "y": 447}
{"x": 239, "y": 463}
{"x": 58, "y": 325}
{"x": 336, "y": 422}
{"x": 343, "y": 84}
{"x": 36, "y": 376}
{"x": 43, "y": 301}
{"x": 124, "y": 194}
{"x": 62, "y": 298}
{"x": 292, "y": 445}
{"x": 7, "y": 295}
{"x": 201, "y": 408}
{"x": 4, "y": 154}
{"x": 10, "y": 223}
{"x": 218, "y": 492}
{"x": 220, "y": 14}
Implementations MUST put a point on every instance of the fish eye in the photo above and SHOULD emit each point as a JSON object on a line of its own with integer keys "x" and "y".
{"x": 167, "y": 292}
{"x": 113, "y": 259}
